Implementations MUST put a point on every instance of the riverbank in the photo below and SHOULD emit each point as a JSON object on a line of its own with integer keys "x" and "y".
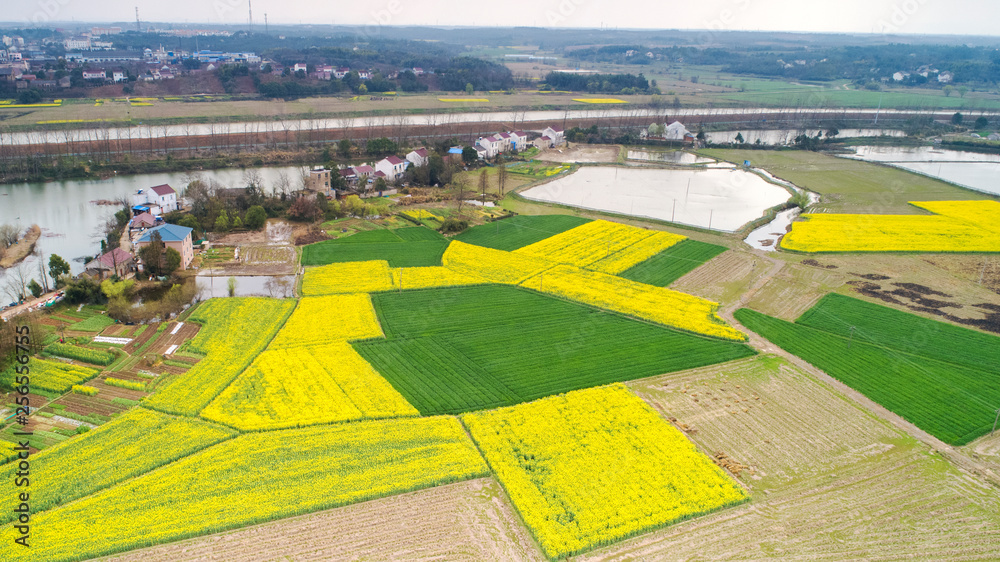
{"x": 22, "y": 249}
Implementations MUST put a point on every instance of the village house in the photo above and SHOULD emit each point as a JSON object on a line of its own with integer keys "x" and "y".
{"x": 418, "y": 157}
{"x": 94, "y": 75}
{"x": 173, "y": 236}
{"x": 543, "y": 142}
{"x": 675, "y": 131}
{"x": 556, "y": 134}
{"x": 156, "y": 200}
{"x": 518, "y": 140}
{"x": 142, "y": 221}
{"x": 349, "y": 175}
{"x": 364, "y": 172}
{"x": 392, "y": 166}
{"x": 319, "y": 180}
{"x": 116, "y": 262}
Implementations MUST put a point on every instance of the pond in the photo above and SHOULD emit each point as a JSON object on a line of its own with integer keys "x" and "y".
{"x": 277, "y": 286}
{"x": 972, "y": 170}
{"x": 787, "y": 136}
{"x": 668, "y": 157}
{"x": 715, "y": 199}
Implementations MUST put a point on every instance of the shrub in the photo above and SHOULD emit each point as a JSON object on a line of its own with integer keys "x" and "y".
{"x": 454, "y": 225}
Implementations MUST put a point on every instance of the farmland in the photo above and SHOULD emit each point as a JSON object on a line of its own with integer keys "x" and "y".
{"x": 602, "y": 246}
{"x": 672, "y": 263}
{"x": 235, "y": 331}
{"x": 465, "y": 521}
{"x": 575, "y": 497}
{"x": 353, "y": 277}
{"x": 536, "y": 393}
{"x": 398, "y": 253}
{"x": 890, "y": 328}
{"x": 952, "y": 402}
{"x": 956, "y": 226}
{"x": 300, "y": 386}
{"x": 361, "y": 461}
{"x": 830, "y": 480}
{"x": 441, "y": 348}
{"x": 520, "y": 231}
{"x": 142, "y": 441}
{"x": 53, "y": 376}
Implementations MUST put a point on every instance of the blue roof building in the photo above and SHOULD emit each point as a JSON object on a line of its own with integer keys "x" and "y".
{"x": 168, "y": 233}
{"x": 174, "y": 236}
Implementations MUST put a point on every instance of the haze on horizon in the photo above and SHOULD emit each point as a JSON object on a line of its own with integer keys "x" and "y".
{"x": 962, "y": 17}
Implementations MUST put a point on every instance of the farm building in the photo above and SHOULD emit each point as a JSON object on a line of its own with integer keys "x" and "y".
{"x": 116, "y": 262}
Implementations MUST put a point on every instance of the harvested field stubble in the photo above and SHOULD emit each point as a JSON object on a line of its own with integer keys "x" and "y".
{"x": 830, "y": 480}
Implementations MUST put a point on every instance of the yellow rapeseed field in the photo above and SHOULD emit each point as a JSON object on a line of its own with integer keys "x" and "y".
{"x": 596, "y": 466}
{"x": 658, "y": 304}
{"x": 434, "y": 276}
{"x": 320, "y": 320}
{"x": 599, "y": 100}
{"x": 958, "y": 226}
{"x": 420, "y": 214}
{"x": 496, "y": 266}
{"x": 603, "y": 246}
{"x": 140, "y": 441}
{"x": 54, "y": 376}
{"x": 350, "y": 277}
{"x": 250, "y": 479}
{"x": 303, "y": 386}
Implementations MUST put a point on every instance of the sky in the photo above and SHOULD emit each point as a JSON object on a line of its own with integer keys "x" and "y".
{"x": 953, "y": 17}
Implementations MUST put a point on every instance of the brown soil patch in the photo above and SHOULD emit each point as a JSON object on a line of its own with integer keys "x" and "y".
{"x": 580, "y": 153}
{"x": 463, "y": 521}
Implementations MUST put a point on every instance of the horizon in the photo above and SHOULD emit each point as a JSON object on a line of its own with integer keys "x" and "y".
{"x": 849, "y": 17}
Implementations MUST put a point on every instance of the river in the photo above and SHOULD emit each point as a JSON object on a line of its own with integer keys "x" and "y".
{"x": 503, "y": 119}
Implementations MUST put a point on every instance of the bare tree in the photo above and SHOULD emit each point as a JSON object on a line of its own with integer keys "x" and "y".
{"x": 41, "y": 269}
{"x": 283, "y": 184}
{"x": 501, "y": 179}
{"x": 461, "y": 187}
{"x": 17, "y": 282}
{"x": 8, "y": 235}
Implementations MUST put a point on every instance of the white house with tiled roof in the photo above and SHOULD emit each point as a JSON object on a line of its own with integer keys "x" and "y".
{"x": 392, "y": 166}
{"x": 554, "y": 133}
{"x": 419, "y": 157}
{"x": 156, "y": 200}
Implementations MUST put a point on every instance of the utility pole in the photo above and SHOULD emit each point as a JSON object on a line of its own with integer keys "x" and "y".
{"x": 995, "y": 421}
{"x": 852, "y": 337}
